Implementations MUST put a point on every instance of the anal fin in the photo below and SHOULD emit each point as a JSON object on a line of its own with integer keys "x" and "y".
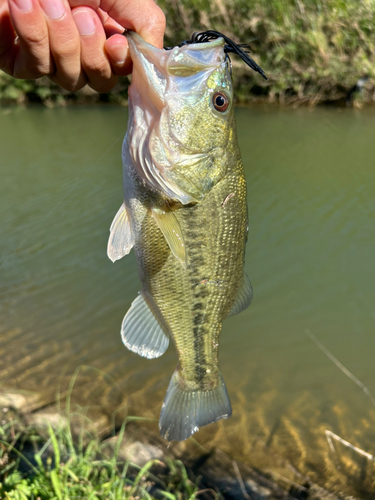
{"x": 121, "y": 239}
{"x": 170, "y": 227}
{"x": 143, "y": 328}
{"x": 243, "y": 298}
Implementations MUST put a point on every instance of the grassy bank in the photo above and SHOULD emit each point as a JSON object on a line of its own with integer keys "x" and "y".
{"x": 43, "y": 91}
{"x": 57, "y": 467}
{"x": 311, "y": 50}
{"x": 56, "y": 460}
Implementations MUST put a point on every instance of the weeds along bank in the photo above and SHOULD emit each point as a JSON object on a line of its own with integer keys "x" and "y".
{"x": 55, "y": 459}
{"x": 311, "y": 50}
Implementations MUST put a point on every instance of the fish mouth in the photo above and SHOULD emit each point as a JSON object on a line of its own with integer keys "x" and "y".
{"x": 155, "y": 67}
{"x": 149, "y": 67}
{"x": 161, "y": 81}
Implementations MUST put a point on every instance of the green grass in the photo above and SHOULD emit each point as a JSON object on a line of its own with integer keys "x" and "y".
{"x": 58, "y": 468}
{"x": 311, "y": 50}
{"x": 13, "y": 91}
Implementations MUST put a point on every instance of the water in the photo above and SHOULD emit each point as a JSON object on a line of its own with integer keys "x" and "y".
{"x": 310, "y": 258}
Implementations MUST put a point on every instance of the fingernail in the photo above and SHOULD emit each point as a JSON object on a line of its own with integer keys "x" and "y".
{"x": 119, "y": 53}
{"x": 84, "y": 22}
{"x": 24, "y": 5}
{"x": 54, "y": 9}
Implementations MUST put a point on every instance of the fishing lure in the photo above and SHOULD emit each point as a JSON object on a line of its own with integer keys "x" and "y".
{"x": 230, "y": 47}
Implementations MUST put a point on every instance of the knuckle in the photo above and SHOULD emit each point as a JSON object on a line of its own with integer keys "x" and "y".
{"x": 155, "y": 23}
{"x": 69, "y": 53}
{"x": 26, "y": 74}
{"x": 31, "y": 68}
{"x": 160, "y": 18}
{"x": 156, "y": 19}
{"x": 67, "y": 48}
{"x": 94, "y": 4}
{"x": 42, "y": 67}
{"x": 36, "y": 37}
{"x": 7, "y": 62}
{"x": 71, "y": 85}
{"x": 103, "y": 85}
{"x": 31, "y": 74}
{"x": 100, "y": 67}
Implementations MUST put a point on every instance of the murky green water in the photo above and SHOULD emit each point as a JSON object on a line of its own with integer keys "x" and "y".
{"x": 310, "y": 257}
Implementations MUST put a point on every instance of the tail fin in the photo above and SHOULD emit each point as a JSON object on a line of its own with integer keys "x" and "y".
{"x": 184, "y": 412}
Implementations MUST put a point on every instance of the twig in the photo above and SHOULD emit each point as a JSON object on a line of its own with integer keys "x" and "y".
{"x": 240, "y": 480}
{"x": 289, "y": 481}
{"x": 341, "y": 366}
{"x": 330, "y": 435}
{"x": 206, "y": 490}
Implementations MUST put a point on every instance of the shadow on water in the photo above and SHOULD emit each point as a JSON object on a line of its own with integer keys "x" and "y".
{"x": 310, "y": 259}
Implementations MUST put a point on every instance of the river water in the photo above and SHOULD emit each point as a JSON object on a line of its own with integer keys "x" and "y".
{"x": 310, "y": 257}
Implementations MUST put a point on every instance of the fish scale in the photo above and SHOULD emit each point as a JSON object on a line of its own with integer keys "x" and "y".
{"x": 215, "y": 250}
{"x": 185, "y": 215}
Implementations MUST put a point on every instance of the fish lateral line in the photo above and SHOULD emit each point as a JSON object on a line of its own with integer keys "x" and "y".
{"x": 176, "y": 190}
{"x": 209, "y": 281}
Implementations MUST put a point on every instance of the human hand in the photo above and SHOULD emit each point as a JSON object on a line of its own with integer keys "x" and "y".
{"x": 74, "y": 42}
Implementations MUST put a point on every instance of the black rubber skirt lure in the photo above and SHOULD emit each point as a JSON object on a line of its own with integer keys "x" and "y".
{"x": 230, "y": 47}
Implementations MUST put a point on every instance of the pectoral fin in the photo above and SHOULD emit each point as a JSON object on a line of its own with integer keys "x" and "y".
{"x": 121, "y": 239}
{"x": 243, "y": 298}
{"x": 143, "y": 329}
{"x": 170, "y": 227}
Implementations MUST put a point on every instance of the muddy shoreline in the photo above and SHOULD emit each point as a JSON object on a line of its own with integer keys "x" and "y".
{"x": 217, "y": 470}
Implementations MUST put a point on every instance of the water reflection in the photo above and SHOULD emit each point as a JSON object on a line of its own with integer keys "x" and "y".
{"x": 310, "y": 258}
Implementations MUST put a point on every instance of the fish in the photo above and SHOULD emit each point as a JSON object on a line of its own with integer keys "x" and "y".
{"x": 185, "y": 215}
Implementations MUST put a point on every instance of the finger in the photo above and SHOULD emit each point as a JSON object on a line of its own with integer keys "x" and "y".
{"x": 111, "y": 27}
{"x": 65, "y": 44}
{"x": 94, "y": 59}
{"x": 142, "y": 16}
{"x": 118, "y": 52}
{"x": 32, "y": 57}
{"x": 116, "y": 45}
{"x": 8, "y": 50}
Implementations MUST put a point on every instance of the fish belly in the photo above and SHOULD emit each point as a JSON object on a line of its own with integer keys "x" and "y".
{"x": 194, "y": 301}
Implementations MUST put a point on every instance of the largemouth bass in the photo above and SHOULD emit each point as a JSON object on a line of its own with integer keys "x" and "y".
{"x": 185, "y": 215}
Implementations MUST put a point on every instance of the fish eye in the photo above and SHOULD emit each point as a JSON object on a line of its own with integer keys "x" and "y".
{"x": 220, "y": 101}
